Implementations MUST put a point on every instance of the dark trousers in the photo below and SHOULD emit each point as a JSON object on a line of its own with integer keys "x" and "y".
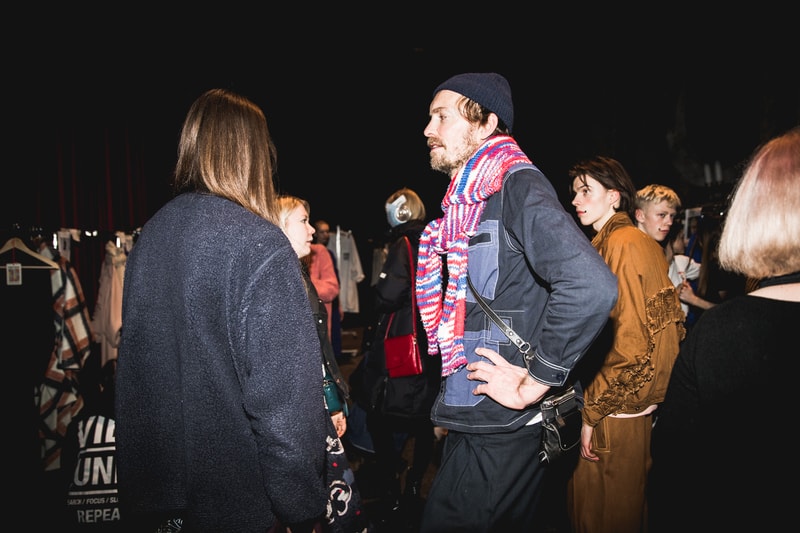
{"x": 384, "y": 430}
{"x": 486, "y": 483}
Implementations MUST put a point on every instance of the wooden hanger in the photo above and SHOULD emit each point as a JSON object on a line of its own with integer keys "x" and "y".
{"x": 15, "y": 243}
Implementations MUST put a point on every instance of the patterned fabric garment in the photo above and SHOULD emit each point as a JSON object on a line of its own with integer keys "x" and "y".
{"x": 57, "y": 397}
{"x": 345, "y": 510}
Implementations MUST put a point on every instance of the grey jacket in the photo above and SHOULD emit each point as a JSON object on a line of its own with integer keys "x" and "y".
{"x": 219, "y": 405}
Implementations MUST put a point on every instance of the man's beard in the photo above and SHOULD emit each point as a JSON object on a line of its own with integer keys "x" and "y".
{"x": 449, "y": 165}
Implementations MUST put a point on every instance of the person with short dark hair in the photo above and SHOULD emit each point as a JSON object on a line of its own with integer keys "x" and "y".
{"x": 624, "y": 375}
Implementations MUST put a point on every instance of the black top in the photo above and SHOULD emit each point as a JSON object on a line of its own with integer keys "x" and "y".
{"x": 724, "y": 429}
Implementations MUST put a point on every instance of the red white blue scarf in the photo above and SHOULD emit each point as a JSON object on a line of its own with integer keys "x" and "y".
{"x": 462, "y": 206}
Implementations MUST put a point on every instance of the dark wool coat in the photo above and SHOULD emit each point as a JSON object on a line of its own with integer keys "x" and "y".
{"x": 219, "y": 406}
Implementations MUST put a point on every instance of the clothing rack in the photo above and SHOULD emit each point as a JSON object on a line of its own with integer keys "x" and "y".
{"x": 33, "y": 233}
{"x": 15, "y": 244}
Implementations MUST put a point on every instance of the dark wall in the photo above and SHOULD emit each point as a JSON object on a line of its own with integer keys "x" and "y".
{"x": 99, "y": 129}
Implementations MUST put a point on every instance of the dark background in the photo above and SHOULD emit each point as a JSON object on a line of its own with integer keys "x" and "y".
{"x": 346, "y": 98}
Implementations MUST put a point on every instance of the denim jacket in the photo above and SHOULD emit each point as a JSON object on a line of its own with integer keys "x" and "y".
{"x": 536, "y": 268}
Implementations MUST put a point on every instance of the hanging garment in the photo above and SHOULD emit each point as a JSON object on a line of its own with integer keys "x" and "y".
{"x": 57, "y": 396}
{"x": 348, "y": 263}
{"x": 107, "y": 319}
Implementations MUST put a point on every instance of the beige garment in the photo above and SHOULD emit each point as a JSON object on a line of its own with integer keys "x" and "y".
{"x": 107, "y": 317}
{"x": 646, "y": 327}
{"x": 608, "y": 496}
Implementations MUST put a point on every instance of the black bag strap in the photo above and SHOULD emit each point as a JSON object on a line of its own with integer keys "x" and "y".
{"x": 412, "y": 272}
{"x": 522, "y": 345}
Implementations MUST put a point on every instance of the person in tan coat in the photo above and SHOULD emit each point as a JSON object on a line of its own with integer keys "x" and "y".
{"x": 625, "y": 373}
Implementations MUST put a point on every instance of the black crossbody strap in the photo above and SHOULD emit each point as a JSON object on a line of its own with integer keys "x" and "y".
{"x": 522, "y": 345}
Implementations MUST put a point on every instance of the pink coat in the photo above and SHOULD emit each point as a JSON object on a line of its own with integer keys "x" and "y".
{"x": 323, "y": 276}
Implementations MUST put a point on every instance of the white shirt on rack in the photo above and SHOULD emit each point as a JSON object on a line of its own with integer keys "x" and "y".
{"x": 348, "y": 263}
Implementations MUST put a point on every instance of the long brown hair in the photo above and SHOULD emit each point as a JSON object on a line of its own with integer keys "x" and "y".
{"x": 226, "y": 149}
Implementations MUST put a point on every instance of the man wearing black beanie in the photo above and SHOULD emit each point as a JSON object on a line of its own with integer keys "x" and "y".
{"x": 504, "y": 227}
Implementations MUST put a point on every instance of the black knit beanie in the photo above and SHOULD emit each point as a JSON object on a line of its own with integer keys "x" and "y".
{"x": 489, "y": 89}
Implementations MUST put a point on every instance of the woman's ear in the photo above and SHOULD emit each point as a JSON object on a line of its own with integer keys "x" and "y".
{"x": 614, "y": 196}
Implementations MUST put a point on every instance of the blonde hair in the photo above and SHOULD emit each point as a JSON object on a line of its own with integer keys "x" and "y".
{"x": 225, "y": 149}
{"x": 654, "y": 194}
{"x": 761, "y": 233}
{"x": 413, "y": 202}
{"x": 287, "y": 204}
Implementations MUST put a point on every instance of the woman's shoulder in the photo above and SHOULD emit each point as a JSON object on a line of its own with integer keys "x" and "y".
{"x": 755, "y": 306}
{"x": 751, "y": 315}
{"x": 784, "y": 293}
{"x": 213, "y": 213}
{"x": 211, "y": 223}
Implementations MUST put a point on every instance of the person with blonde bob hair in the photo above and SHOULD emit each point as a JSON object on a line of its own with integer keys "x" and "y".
{"x": 720, "y": 428}
{"x": 344, "y": 512}
{"x": 761, "y": 234}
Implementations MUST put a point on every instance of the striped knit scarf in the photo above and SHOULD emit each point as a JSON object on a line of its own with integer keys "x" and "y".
{"x": 462, "y": 206}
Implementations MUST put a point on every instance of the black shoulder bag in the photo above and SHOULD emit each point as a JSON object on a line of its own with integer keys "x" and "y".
{"x": 561, "y": 412}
